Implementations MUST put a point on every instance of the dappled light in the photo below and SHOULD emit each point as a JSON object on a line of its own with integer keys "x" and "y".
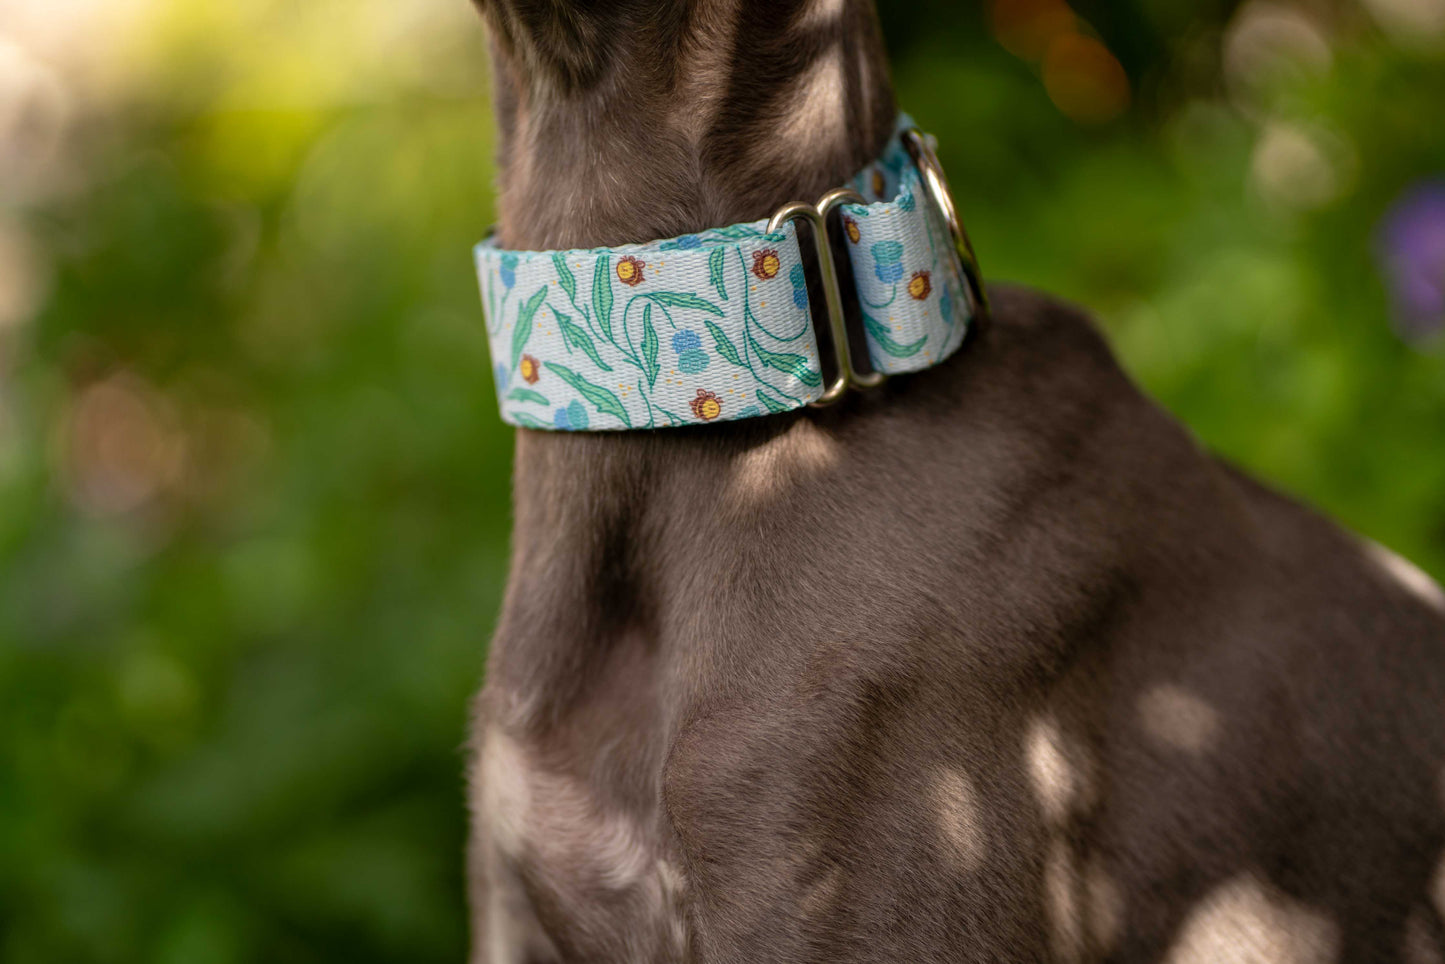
{"x": 1177, "y": 719}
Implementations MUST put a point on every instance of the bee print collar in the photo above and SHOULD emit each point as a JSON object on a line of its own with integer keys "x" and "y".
{"x": 718, "y": 325}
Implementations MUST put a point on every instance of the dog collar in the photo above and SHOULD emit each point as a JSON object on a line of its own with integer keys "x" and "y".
{"x": 718, "y": 325}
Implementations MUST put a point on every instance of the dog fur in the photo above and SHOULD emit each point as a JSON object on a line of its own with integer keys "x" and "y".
{"x": 990, "y": 664}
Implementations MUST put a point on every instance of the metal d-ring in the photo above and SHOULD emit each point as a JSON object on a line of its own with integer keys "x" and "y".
{"x": 936, "y": 183}
{"x": 817, "y": 216}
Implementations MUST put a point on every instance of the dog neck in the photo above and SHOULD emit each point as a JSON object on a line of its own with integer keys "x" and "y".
{"x": 627, "y": 122}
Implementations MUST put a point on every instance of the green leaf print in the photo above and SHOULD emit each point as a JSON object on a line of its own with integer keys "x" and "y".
{"x": 884, "y": 339}
{"x": 576, "y": 336}
{"x": 715, "y": 267}
{"x": 737, "y": 231}
{"x": 602, "y": 295}
{"x": 528, "y": 421}
{"x": 527, "y": 395}
{"x": 771, "y": 403}
{"x": 603, "y": 400}
{"x": 523, "y": 329}
{"x": 678, "y": 299}
{"x": 649, "y": 346}
{"x": 564, "y": 276}
{"x": 724, "y": 345}
{"x": 795, "y": 365}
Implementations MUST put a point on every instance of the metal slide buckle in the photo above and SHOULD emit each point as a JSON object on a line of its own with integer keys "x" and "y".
{"x": 936, "y": 183}
{"x": 817, "y": 216}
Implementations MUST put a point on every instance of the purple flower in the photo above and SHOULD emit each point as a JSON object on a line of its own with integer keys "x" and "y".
{"x": 1410, "y": 246}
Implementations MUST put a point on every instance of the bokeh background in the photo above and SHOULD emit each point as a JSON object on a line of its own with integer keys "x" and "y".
{"x": 253, "y": 490}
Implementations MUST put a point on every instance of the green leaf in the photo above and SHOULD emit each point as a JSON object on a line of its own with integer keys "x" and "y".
{"x": 715, "y": 266}
{"x": 527, "y": 395}
{"x": 523, "y": 329}
{"x": 602, "y": 295}
{"x": 795, "y": 365}
{"x": 737, "y": 231}
{"x": 522, "y": 418}
{"x": 771, "y": 403}
{"x": 678, "y": 299}
{"x": 603, "y": 400}
{"x": 884, "y": 339}
{"x": 724, "y": 345}
{"x": 649, "y": 346}
{"x": 576, "y": 336}
{"x": 564, "y": 275}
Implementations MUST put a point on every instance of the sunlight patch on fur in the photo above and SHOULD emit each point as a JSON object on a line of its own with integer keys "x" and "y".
{"x": 954, "y": 803}
{"x": 1407, "y": 574}
{"x": 783, "y": 461}
{"x": 820, "y": 13}
{"x": 812, "y": 116}
{"x": 1056, "y": 780}
{"x": 1245, "y": 922}
{"x": 1061, "y": 902}
{"x": 1437, "y": 886}
{"x": 1178, "y": 719}
{"x": 1105, "y": 903}
{"x": 553, "y": 815}
{"x": 505, "y": 792}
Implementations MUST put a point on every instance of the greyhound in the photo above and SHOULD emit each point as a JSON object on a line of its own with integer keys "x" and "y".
{"x": 989, "y": 663}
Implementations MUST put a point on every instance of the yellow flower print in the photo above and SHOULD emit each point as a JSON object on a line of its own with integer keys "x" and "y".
{"x": 706, "y": 406}
{"x": 851, "y": 226}
{"x": 766, "y": 264}
{"x": 531, "y": 370}
{"x": 921, "y": 286}
{"x": 629, "y": 270}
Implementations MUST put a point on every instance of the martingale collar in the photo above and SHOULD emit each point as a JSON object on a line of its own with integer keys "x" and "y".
{"x": 718, "y": 325}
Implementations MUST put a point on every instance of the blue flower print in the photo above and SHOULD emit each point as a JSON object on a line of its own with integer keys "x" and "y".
{"x": 907, "y": 202}
{"x": 508, "y": 270}
{"x": 800, "y": 286}
{"x": 504, "y": 377}
{"x": 689, "y": 241}
{"x": 573, "y": 418}
{"x": 945, "y": 303}
{"x": 888, "y": 261}
{"x": 690, "y": 356}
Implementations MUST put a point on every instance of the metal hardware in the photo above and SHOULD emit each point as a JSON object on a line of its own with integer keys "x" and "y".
{"x": 817, "y": 216}
{"x": 936, "y": 183}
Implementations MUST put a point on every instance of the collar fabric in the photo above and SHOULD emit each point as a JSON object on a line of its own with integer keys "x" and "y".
{"x": 716, "y": 325}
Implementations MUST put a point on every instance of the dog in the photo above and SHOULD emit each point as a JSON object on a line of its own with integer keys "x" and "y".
{"x": 990, "y": 663}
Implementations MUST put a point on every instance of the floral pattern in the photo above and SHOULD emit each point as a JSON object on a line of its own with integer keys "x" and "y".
{"x": 629, "y": 271}
{"x": 921, "y": 285}
{"x": 688, "y": 330}
{"x": 530, "y": 369}
{"x": 766, "y": 264}
{"x": 706, "y": 405}
{"x": 690, "y": 356}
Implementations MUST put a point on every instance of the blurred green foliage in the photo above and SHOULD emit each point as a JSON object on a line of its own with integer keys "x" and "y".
{"x": 254, "y": 495}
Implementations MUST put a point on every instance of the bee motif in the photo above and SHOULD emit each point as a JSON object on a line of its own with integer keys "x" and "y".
{"x": 706, "y": 406}
{"x": 629, "y": 271}
{"x": 767, "y": 264}
{"x": 531, "y": 370}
